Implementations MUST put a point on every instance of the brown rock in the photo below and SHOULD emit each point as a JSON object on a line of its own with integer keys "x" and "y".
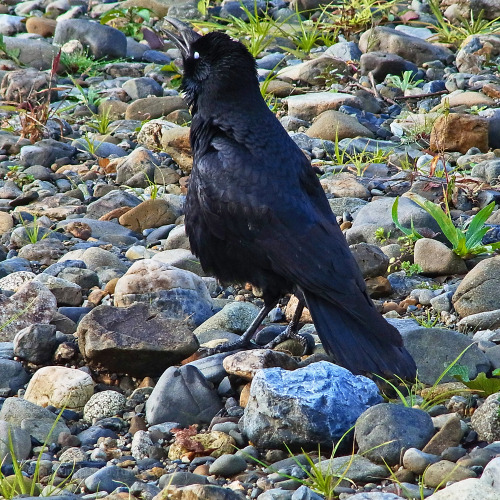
{"x": 449, "y": 435}
{"x": 245, "y": 364}
{"x": 378, "y": 287}
{"x": 344, "y": 185}
{"x": 469, "y": 99}
{"x": 331, "y": 125}
{"x": 115, "y": 214}
{"x": 220, "y": 442}
{"x": 79, "y": 230}
{"x": 459, "y": 132}
{"x": 312, "y": 71}
{"x": 290, "y": 311}
{"x": 158, "y": 134}
{"x": 137, "y": 424}
{"x": 148, "y": 214}
{"x": 95, "y": 296}
{"x": 42, "y": 26}
{"x": 444, "y": 471}
{"x": 308, "y": 106}
{"x": 149, "y": 108}
{"x": 279, "y": 88}
{"x": 6, "y": 222}
{"x": 244, "y": 395}
{"x": 492, "y": 90}
{"x": 110, "y": 286}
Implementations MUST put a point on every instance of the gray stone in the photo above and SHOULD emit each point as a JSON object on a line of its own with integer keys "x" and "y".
{"x": 181, "y": 479}
{"x": 486, "y": 419}
{"x": 411, "y": 48}
{"x": 36, "y": 343}
{"x": 182, "y": 395}
{"x": 347, "y": 51}
{"x": 176, "y": 293}
{"x": 65, "y": 292}
{"x": 38, "y": 421}
{"x": 110, "y": 201}
{"x": 468, "y": 489}
{"x": 46, "y": 152}
{"x": 101, "y": 40}
{"x": 346, "y": 204}
{"x": 370, "y": 258}
{"x": 378, "y": 214}
{"x": 227, "y": 465}
{"x": 436, "y": 259}
{"x": 109, "y": 478}
{"x": 104, "y": 404}
{"x": 375, "y": 495}
{"x": 46, "y": 251}
{"x": 398, "y": 426}
{"x": 282, "y": 408}
{"x": 381, "y": 64}
{"x": 20, "y": 439}
{"x": 136, "y": 340}
{"x": 99, "y": 148}
{"x": 96, "y": 257}
{"x": 35, "y": 53}
{"x": 491, "y": 474}
{"x": 354, "y": 467}
{"x": 480, "y": 321}
{"x": 235, "y": 317}
{"x": 417, "y": 461}
{"x": 139, "y": 88}
{"x": 478, "y": 291}
{"x": 33, "y": 303}
{"x": 106, "y": 230}
{"x": 141, "y": 160}
{"x": 211, "y": 367}
{"x": 442, "y": 302}
{"x": 84, "y": 278}
{"x": 12, "y": 376}
{"x": 433, "y": 349}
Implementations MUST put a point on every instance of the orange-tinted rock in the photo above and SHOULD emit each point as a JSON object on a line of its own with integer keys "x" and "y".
{"x": 459, "y": 132}
{"x": 41, "y": 26}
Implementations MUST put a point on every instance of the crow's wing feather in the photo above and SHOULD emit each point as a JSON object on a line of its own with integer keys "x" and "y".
{"x": 276, "y": 205}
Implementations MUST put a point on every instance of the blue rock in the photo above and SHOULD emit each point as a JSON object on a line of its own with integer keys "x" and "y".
{"x": 314, "y": 404}
{"x": 110, "y": 478}
{"x": 155, "y": 56}
{"x": 90, "y": 436}
{"x": 270, "y": 61}
{"x": 12, "y": 375}
{"x": 13, "y": 265}
{"x": 434, "y": 86}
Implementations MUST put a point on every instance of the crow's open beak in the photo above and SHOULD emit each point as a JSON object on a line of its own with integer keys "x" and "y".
{"x": 185, "y": 38}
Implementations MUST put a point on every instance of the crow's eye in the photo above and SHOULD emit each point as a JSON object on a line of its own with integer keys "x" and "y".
{"x": 196, "y": 55}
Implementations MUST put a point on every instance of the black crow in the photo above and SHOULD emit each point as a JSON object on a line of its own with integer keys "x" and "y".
{"x": 256, "y": 211}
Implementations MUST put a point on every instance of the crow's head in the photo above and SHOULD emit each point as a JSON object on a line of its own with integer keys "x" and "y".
{"x": 215, "y": 66}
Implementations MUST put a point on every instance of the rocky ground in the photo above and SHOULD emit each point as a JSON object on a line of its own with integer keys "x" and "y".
{"x": 103, "y": 306}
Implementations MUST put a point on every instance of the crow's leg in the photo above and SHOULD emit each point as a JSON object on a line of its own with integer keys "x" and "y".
{"x": 245, "y": 339}
{"x": 292, "y": 330}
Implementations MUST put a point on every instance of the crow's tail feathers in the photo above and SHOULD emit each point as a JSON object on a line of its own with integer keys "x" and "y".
{"x": 363, "y": 342}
